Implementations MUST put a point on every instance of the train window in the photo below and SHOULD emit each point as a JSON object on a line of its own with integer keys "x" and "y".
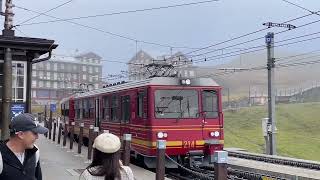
{"x": 77, "y": 108}
{"x": 125, "y": 107}
{"x": 114, "y": 109}
{"x": 210, "y": 103}
{"x": 91, "y": 108}
{"x": 106, "y": 108}
{"x": 85, "y": 111}
{"x": 140, "y": 104}
{"x": 176, "y": 104}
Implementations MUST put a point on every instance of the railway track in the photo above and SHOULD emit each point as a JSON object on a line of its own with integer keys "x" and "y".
{"x": 276, "y": 160}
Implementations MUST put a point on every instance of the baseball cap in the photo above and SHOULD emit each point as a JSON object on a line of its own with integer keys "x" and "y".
{"x": 26, "y": 122}
{"x": 107, "y": 143}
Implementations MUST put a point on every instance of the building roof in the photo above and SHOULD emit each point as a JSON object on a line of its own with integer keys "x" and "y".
{"x": 88, "y": 55}
{"x": 42, "y": 46}
{"x": 141, "y": 55}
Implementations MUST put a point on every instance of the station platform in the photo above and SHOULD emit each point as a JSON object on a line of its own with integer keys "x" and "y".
{"x": 60, "y": 163}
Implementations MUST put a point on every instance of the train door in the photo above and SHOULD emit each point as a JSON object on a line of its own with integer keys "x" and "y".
{"x": 210, "y": 113}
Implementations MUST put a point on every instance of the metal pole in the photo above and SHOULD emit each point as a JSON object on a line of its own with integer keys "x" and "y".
{"x": 220, "y": 165}
{"x": 90, "y": 142}
{"x": 45, "y": 119}
{"x": 59, "y": 133}
{"x": 271, "y": 93}
{"x": 65, "y": 134}
{"x": 28, "y": 87}
{"x": 80, "y": 138}
{"x": 126, "y": 149}
{"x": 50, "y": 123}
{"x": 54, "y": 130}
{"x": 71, "y": 135}
{"x": 160, "y": 159}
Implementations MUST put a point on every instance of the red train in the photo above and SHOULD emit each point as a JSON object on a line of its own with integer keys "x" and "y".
{"x": 187, "y": 113}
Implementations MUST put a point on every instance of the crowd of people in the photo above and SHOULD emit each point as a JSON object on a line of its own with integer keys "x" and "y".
{"x": 19, "y": 156}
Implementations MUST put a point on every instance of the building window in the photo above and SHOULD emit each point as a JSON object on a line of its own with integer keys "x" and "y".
{"x": 96, "y": 69}
{"x": 55, "y": 66}
{"x": 18, "y": 84}
{"x": 75, "y": 76}
{"x": 48, "y": 75}
{"x": 90, "y": 69}
{"x": 34, "y": 93}
{"x": 40, "y": 74}
{"x": 84, "y": 77}
{"x": 40, "y": 83}
{"x": 34, "y": 66}
{"x": 90, "y": 78}
{"x": 34, "y": 73}
{"x": 34, "y": 83}
{"x": 55, "y": 85}
{"x": 48, "y": 66}
{"x": 62, "y": 66}
{"x": 84, "y": 68}
{"x": 55, "y": 76}
{"x": 48, "y": 84}
{"x": 96, "y": 86}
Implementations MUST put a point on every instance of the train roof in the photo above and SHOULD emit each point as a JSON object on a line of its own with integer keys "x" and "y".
{"x": 156, "y": 81}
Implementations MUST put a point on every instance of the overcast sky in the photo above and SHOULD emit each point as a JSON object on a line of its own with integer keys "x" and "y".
{"x": 192, "y": 26}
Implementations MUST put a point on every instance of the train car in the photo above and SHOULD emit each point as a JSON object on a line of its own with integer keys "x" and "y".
{"x": 187, "y": 113}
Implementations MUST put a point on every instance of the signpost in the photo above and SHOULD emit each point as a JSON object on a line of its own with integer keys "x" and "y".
{"x": 16, "y": 109}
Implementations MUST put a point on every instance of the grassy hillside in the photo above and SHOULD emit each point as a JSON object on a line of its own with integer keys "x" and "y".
{"x": 298, "y": 130}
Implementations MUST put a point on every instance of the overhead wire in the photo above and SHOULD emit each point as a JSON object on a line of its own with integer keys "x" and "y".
{"x": 54, "y": 8}
{"x": 121, "y": 12}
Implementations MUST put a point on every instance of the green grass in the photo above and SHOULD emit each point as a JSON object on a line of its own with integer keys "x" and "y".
{"x": 298, "y": 132}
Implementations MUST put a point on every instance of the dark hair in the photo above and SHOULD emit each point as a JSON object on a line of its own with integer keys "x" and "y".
{"x": 105, "y": 164}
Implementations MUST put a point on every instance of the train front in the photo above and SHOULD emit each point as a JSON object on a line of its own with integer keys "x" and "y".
{"x": 189, "y": 117}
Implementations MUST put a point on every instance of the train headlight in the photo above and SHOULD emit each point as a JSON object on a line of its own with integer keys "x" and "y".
{"x": 215, "y": 134}
{"x": 160, "y": 135}
{"x": 212, "y": 134}
{"x": 185, "y": 81}
{"x": 165, "y": 135}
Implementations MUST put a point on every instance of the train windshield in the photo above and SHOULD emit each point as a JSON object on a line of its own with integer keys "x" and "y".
{"x": 176, "y": 104}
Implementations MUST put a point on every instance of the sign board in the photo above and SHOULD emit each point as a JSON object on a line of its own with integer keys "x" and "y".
{"x": 16, "y": 109}
{"x": 53, "y": 107}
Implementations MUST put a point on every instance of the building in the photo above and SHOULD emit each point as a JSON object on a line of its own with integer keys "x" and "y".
{"x": 182, "y": 66}
{"x": 62, "y": 76}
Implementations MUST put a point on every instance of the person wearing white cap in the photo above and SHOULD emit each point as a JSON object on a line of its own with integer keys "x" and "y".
{"x": 106, "y": 163}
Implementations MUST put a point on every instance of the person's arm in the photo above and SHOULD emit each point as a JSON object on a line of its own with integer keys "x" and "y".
{"x": 38, "y": 171}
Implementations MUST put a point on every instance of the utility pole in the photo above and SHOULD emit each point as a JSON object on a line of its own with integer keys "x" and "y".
{"x": 271, "y": 94}
{"x": 7, "y": 73}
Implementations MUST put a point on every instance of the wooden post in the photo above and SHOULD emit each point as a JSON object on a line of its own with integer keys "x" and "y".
{"x": 59, "y": 132}
{"x": 220, "y": 165}
{"x": 80, "y": 138}
{"x": 54, "y": 130}
{"x": 126, "y": 149}
{"x": 90, "y": 142}
{"x": 65, "y": 133}
{"x": 160, "y": 166}
{"x": 71, "y": 135}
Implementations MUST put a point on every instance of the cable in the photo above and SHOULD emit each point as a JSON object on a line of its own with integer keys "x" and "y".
{"x": 289, "y": 57}
{"x": 300, "y": 17}
{"x": 298, "y": 6}
{"x": 46, "y": 11}
{"x": 122, "y": 12}
{"x": 107, "y": 32}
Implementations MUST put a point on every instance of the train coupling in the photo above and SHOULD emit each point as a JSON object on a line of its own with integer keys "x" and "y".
{"x": 195, "y": 158}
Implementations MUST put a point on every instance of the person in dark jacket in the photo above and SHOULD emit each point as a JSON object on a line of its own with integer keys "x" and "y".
{"x": 19, "y": 157}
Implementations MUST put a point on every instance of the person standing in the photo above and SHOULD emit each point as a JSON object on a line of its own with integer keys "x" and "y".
{"x": 106, "y": 164}
{"x": 19, "y": 157}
